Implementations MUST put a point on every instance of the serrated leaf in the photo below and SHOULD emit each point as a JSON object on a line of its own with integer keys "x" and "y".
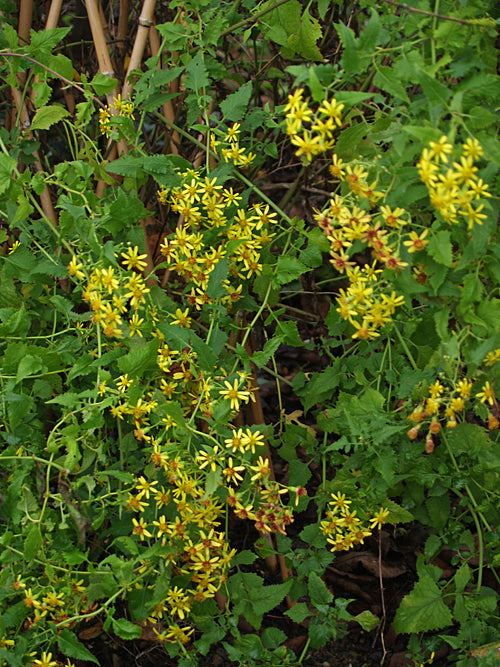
{"x": 289, "y": 269}
{"x": 28, "y": 365}
{"x": 387, "y": 80}
{"x": 196, "y": 74}
{"x": 423, "y": 609}
{"x": 103, "y": 84}
{"x": 440, "y": 248}
{"x": 351, "y": 61}
{"x": 139, "y": 358}
{"x": 304, "y": 41}
{"x": 45, "y": 117}
{"x": 215, "y": 287}
{"x": 367, "y": 620}
{"x": 318, "y": 592}
{"x": 126, "y": 629}
{"x": 261, "y": 358}
{"x": 235, "y": 105}
{"x": 70, "y": 646}
{"x": 299, "y": 612}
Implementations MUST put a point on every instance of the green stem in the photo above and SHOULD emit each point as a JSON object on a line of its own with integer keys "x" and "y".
{"x": 405, "y": 347}
{"x": 253, "y": 323}
{"x": 252, "y": 19}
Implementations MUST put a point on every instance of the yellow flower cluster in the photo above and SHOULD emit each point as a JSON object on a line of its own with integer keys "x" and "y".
{"x": 369, "y": 301}
{"x": 454, "y": 186}
{"x": 311, "y": 131}
{"x": 214, "y": 225}
{"x": 343, "y": 528}
{"x": 53, "y": 602}
{"x": 228, "y": 146}
{"x": 111, "y": 294}
{"x": 451, "y": 402}
{"x": 125, "y": 109}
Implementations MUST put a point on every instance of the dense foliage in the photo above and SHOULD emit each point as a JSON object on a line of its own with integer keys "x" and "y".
{"x": 184, "y": 194}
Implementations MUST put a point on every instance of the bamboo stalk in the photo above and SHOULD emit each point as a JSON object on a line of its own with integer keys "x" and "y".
{"x": 53, "y": 16}
{"x": 145, "y": 22}
{"x": 25, "y": 20}
{"x": 24, "y": 119}
{"x": 121, "y": 34}
{"x": 101, "y": 47}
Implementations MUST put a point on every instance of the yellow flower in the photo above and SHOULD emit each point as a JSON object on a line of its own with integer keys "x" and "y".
{"x": 416, "y": 242}
{"x": 262, "y": 469}
{"x": 440, "y": 149}
{"x": 231, "y": 473}
{"x": 380, "y": 518}
{"x": 234, "y": 394}
{"x": 45, "y": 661}
{"x": 140, "y": 529}
{"x": 487, "y": 395}
{"x": 74, "y": 269}
{"x": 132, "y": 260}
{"x": 492, "y": 357}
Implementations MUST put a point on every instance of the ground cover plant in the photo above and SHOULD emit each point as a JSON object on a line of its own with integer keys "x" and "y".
{"x": 250, "y": 332}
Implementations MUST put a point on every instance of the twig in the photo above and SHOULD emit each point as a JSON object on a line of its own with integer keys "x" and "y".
{"x": 443, "y": 17}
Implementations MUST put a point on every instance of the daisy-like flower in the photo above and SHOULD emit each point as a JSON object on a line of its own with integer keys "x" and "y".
{"x": 380, "y": 518}
{"x": 132, "y": 259}
{"x": 234, "y": 394}
{"x": 417, "y": 242}
{"x": 487, "y": 395}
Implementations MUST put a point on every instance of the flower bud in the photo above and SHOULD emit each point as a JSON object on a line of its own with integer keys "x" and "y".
{"x": 429, "y": 445}
{"x": 434, "y": 427}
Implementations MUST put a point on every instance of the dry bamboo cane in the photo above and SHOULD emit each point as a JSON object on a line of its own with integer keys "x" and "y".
{"x": 101, "y": 47}
{"x": 25, "y": 18}
{"x": 121, "y": 33}
{"x": 105, "y": 64}
{"x": 145, "y": 22}
{"x": 45, "y": 199}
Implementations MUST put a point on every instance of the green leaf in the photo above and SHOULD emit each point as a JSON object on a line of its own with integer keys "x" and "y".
{"x": 28, "y": 365}
{"x": 47, "y": 39}
{"x": 299, "y": 612}
{"x": 252, "y": 599}
{"x": 304, "y": 41}
{"x": 126, "y": 629}
{"x": 351, "y": 61}
{"x": 196, "y": 74}
{"x": 435, "y": 92}
{"x": 386, "y": 79}
{"x": 32, "y": 543}
{"x": 215, "y": 287}
{"x": 261, "y": 358}
{"x": 45, "y": 117}
{"x": 440, "y": 248}
{"x": 289, "y": 269}
{"x": 367, "y": 620}
{"x": 139, "y": 358}
{"x": 103, "y": 84}
{"x": 7, "y": 166}
{"x": 235, "y": 105}
{"x": 70, "y": 646}
{"x": 423, "y": 610}
{"x": 318, "y": 592}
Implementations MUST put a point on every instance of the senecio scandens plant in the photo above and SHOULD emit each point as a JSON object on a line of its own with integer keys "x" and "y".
{"x": 169, "y": 391}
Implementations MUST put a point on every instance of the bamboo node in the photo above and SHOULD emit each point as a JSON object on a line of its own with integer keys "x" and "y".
{"x": 146, "y": 23}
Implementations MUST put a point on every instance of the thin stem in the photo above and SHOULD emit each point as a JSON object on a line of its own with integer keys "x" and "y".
{"x": 405, "y": 348}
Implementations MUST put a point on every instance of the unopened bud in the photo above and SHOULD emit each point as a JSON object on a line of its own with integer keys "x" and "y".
{"x": 434, "y": 427}
{"x": 493, "y": 422}
{"x": 429, "y": 445}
